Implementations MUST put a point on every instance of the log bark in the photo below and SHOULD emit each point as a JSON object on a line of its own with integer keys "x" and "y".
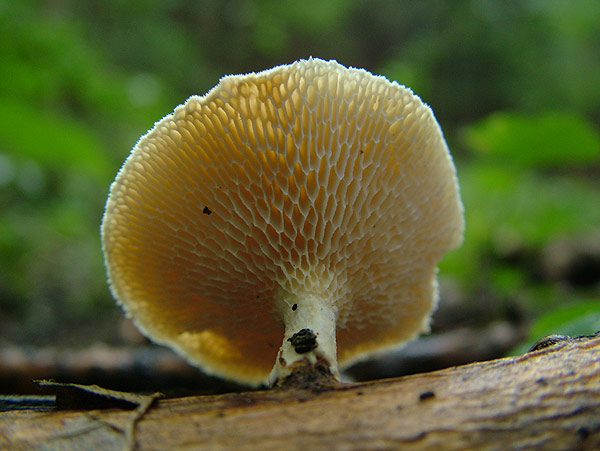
{"x": 547, "y": 399}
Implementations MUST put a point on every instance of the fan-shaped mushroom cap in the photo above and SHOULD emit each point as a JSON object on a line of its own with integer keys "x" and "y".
{"x": 308, "y": 196}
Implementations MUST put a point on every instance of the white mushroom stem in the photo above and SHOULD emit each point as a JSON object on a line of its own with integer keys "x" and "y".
{"x": 316, "y": 314}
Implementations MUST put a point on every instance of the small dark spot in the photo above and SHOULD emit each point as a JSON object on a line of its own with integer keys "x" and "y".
{"x": 362, "y": 151}
{"x": 303, "y": 341}
{"x": 220, "y": 414}
{"x": 294, "y": 307}
{"x": 399, "y": 407}
{"x": 206, "y": 210}
{"x": 583, "y": 432}
{"x": 282, "y": 361}
{"x": 426, "y": 395}
{"x": 360, "y": 393}
{"x": 542, "y": 381}
{"x": 419, "y": 436}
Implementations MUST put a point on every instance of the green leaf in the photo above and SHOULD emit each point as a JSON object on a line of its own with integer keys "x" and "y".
{"x": 512, "y": 209}
{"x": 580, "y": 318}
{"x": 554, "y": 139}
{"x": 52, "y": 141}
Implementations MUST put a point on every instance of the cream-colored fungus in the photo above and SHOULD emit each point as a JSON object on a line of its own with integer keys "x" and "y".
{"x": 308, "y": 196}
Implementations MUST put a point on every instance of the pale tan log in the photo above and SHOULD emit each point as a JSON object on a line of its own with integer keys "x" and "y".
{"x": 548, "y": 399}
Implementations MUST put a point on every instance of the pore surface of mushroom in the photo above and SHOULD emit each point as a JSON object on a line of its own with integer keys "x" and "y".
{"x": 291, "y": 215}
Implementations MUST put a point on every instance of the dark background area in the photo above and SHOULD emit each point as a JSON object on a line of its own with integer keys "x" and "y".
{"x": 514, "y": 85}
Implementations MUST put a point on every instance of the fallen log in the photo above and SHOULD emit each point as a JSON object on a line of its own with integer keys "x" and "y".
{"x": 546, "y": 399}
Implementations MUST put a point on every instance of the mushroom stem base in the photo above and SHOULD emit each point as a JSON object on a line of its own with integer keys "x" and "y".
{"x": 309, "y": 339}
{"x": 307, "y": 375}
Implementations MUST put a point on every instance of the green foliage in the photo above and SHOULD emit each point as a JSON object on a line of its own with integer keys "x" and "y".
{"x": 276, "y": 21}
{"x": 507, "y": 209}
{"x": 54, "y": 142}
{"x": 579, "y": 318}
{"x": 550, "y": 140}
{"x": 522, "y": 191}
{"x": 574, "y": 319}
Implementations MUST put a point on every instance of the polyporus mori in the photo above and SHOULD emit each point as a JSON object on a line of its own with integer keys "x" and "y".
{"x": 288, "y": 217}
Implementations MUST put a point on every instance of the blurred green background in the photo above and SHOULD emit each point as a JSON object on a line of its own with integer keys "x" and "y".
{"x": 515, "y": 86}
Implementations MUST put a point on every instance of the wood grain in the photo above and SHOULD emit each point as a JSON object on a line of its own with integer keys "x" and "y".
{"x": 548, "y": 399}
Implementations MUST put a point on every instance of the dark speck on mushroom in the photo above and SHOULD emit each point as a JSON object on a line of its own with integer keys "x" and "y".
{"x": 304, "y": 341}
{"x": 294, "y": 307}
{"x": 206, "y": 210}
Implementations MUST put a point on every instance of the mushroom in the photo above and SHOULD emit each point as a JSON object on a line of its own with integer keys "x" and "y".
{"x": 291, "y": 218}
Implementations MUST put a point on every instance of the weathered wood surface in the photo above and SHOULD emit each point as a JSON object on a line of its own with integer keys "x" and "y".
{"x": 547, "y": 399}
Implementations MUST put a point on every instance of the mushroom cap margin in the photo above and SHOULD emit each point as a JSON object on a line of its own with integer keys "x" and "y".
{"x": 319, "y": 179}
